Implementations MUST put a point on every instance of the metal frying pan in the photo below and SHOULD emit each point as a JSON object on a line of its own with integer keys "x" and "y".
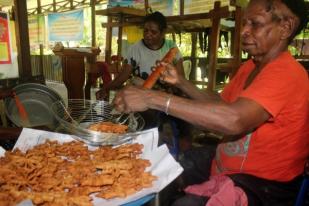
{"x": 37, "y": 100}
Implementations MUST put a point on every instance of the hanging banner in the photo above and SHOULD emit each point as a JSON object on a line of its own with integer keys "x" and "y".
{"x": 112, "y": 3}
{"x": 164, "y": 6}
{"x": 124, "y": 3}
{"x": 67, "y": 26}
{"x": 36, "y": 24}
{"x": 5, "y": 48}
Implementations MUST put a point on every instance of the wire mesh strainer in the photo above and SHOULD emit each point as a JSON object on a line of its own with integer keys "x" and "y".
{"x": 79, "y": 114}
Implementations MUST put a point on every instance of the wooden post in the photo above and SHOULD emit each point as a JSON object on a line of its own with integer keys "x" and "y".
{"x": 108, "y": 40}
{"x": 41, "y": 45}
{"x": 146, "y": 6}
{"x": 119, "y": 41}
{"x": 54, "y": 6}
{"x": 193, "y": 56}
{"x": 71, "y": 4}
{"x": 93, "y": 33}
{"x": 214, "y": 42}
{"x": 182, "y": 7}
{"x": 22, "y": 38}
{"x": 236, "y": 41}
{"x": 39, "y": 9}
{"x": 174, "y": 36}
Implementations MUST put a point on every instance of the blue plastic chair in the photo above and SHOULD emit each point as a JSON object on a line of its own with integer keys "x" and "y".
{"x": 303, "y": 192}
{"x": 174, "y": 144}
{"x": 174, "y": 149}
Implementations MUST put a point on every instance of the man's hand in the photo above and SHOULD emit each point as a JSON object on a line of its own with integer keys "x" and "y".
{"x": 131, "y": 99}
{"x": 102, "y": 94}
{"x": 170, "y": 75}
{"x": 137, "y": 81}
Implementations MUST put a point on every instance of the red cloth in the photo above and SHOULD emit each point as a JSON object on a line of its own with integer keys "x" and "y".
{"x": 278, "y": 149}
{"x": 221, "y": 192}
{"x": 103, "y": 72}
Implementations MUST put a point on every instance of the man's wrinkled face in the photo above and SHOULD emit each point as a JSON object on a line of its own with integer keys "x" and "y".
{"x": 260, "y": 32}
{"x": 152, "y": 34}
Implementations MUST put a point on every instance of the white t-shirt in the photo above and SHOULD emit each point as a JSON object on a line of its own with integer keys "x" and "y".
{"x": 142, "y": 58}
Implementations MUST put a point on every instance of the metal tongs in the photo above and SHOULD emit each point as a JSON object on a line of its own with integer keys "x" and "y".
{"x": 124, "y": 118}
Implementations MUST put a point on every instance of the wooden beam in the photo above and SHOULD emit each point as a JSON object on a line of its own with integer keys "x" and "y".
{"x": 214, "y": 42}
{"x": 93, "y": 31}
{"x": 22, "y": 39}
{"x": 39, "y": 6}
{"x": 71, "y": 5}
{"x": 146, "y": 6}
{"x": 41, "y": 45}
{"x": 219, "y": 12}
{"x": 236, "y": 40}
{"x": 54, "y": 6}
{"x": 115, "y": 11}
{"x": 193, "y": 56}
{"x": 182, "y": 7}
{"x": 119, "y": 42}
{"x": 117, "y": 24}
{"x": 198, "y": 82}
{"x": 108, "y": 42}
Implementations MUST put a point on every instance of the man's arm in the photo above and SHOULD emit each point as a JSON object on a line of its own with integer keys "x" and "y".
{"x": 230, "y": 119}
{"x": 174, "y": 77}
{"x": 123, "y": 76}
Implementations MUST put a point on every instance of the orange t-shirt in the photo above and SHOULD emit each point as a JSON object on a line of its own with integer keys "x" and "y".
{"x": 277, "y": 150}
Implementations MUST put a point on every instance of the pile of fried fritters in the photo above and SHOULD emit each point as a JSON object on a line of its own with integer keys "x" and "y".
{"x": 66, "y": 174}
{"x": 108, "y": 127}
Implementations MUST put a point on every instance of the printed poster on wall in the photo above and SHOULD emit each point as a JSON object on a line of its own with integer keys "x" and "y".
{"x": 36, "y": 24}
{"x": 164, "y": 6}
{"x": 67, "y": 26}
{"x": 5, "y": 47}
